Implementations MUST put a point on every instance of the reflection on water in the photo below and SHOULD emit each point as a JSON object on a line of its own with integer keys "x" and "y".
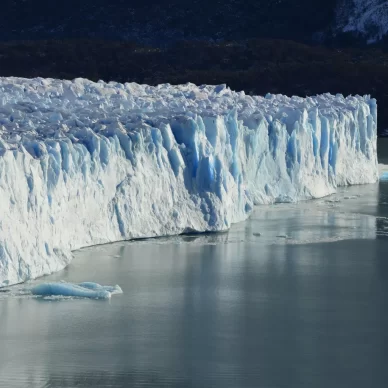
{"x": 234, "y": 309}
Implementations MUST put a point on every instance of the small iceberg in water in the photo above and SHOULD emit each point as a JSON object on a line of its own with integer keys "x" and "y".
{"x": 82, "y": 290}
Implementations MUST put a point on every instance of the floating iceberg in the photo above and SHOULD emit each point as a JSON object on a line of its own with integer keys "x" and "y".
{"x": 82, "y": 290}
{"x": 84, "y": 163}
{"x": 384, "y": 176}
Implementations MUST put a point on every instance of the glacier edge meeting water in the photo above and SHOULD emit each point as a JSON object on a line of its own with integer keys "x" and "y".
{"x": 84, "y": 163}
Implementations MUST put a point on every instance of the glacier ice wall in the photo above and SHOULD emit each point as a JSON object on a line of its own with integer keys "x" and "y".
{"x": 85, "y": 163}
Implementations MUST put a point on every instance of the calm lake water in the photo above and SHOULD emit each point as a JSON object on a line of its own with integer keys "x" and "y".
{"x": 303, "y": 304}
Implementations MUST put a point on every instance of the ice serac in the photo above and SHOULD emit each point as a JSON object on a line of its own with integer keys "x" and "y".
{"x": 85, "y": 163}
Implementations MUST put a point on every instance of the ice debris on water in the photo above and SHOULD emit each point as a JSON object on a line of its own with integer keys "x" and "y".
{"x": 81, "y": 290}
{"x": 384, "y": 176}
{"x": 85, "y": 163}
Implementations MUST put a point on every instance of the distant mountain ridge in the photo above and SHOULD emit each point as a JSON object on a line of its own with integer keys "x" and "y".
{"x": 163, "y": 22}
{"x": 365, "y": 18}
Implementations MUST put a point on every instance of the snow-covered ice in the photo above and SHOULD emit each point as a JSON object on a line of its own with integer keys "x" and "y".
{"x": 82, "y": 290}
{"x": 85, "y": 163}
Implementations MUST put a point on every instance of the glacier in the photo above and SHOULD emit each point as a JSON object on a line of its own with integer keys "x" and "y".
{"x": 85, "y": 163}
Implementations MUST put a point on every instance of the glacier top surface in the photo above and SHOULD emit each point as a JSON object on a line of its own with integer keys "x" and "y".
{"x": 40, "y": 109}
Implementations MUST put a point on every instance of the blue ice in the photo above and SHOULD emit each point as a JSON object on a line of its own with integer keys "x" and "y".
{"x": 384, "y": 176}
{"x": 83, "y": 290}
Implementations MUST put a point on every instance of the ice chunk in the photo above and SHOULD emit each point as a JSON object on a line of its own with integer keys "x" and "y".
{"x": 97, "y": 287}
{"x": 383, "y": 172}
{"x": 84, "y": 163}
{"x": 82, "y": 290}
{"x": 384, "y": 176}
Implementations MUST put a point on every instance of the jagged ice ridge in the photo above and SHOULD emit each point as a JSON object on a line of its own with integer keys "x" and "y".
{"x": 84, "y": 163}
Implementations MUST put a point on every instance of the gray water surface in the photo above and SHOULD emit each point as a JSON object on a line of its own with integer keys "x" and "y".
{"x": 303, "y": 304}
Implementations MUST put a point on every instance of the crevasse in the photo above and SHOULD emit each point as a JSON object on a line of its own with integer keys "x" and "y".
{"x": 85, "y": 163}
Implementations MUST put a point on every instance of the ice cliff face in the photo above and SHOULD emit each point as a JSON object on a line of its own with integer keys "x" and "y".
{"x": 85, "y": 163}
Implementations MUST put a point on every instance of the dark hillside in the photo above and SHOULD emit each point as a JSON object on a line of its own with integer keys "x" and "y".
{"x": 160, "y": 22}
